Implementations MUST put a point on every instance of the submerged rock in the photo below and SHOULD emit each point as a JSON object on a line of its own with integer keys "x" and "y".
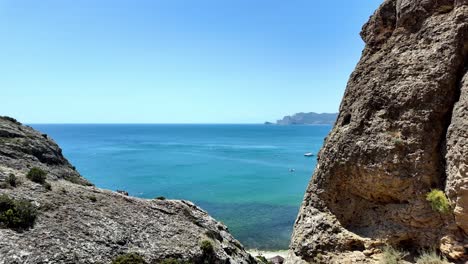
{"x": 79, "y": 223}
{"x": 402, "y": 130}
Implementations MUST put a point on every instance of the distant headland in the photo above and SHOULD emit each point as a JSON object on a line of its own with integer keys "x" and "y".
{"x": 307, "y": 119}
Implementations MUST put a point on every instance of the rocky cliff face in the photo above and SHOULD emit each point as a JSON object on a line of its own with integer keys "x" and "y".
{"x": 79, "y": 223}
{"x": 402, "y": 130}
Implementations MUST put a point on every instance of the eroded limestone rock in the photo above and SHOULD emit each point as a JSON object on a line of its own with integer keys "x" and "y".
{"x": 388, "y": 147}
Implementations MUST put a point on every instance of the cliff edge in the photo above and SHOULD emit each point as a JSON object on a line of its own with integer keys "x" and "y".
{"x": 78, "y": 223}
{"x": 402, "y": 131}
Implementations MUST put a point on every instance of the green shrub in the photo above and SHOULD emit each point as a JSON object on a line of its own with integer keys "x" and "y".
{"x": 262, "y": 259}
{"x": 207, "y": 247}
{"x": 11, "y": 119}
{"x": 129, "y": 258}
{"x": 37, "y": 175}
{"x": 214, "y": 235}
{"x": 173, "y": 261}
{"x": 76, "y": 179}
{"x": 431, "y": 257}
{"x": 11, "y": 180}
{"x": 391, "y": 256}
{"x": 92, "y": 198}
{"x": 438, "y": 200}
{"x": 16, "y": 214}
{"x": 160, "y": 198}
{"x": 170, "y": 261}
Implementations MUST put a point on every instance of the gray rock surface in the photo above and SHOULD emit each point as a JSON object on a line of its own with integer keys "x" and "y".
{"x": 392, "y": 143}
{"x": 78, "y": 223}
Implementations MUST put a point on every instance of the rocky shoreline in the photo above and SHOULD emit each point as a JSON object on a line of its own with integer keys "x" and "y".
{"x": 79, "y": 223}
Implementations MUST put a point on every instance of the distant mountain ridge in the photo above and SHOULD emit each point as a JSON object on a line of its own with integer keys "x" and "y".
{"x": 308, "y": 119}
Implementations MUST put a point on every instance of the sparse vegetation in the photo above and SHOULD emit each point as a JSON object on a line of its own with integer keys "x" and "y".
{"x": 129, "y": 258}
{"x": 237, "y": 244}
{"x": 160, "y": 198}
{"x": 47, "y": 186}
{"x": 170, "y": 261}
{"x": 439, "y": 201}
{"x": 318, "y": 258}
{"x": 174, "y": 261}
{"x": 391, "y": 256}
{"x": 214, "y": 235}
{"x": 11, "y": 180}
{"x": 262, "y": 259}
{"x": 397, "y": 141}
{"x": 76, "y": 179}
{"x": 92, "y": 198}
{"x": 207, "y": 251}
{"x": 396, "y": 137}
{"x": 431, "y": 257}
{"x": 11, "y": 119}
{"x": 36, "y": 174}
{"x": 16, "y": 214}
{"x": 207, "y": 247}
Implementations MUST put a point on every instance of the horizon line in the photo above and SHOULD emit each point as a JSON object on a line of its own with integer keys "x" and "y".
{"x": 171, "y": 124}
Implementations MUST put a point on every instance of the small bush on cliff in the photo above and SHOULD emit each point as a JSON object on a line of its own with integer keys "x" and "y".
{"x": 174, "y": 261}
{"x": 76, "y": 179}
{"x": 16, "y": 214}
{"x": 47, "y": 186}
{"x": 37, "y": 175}
{"x": 262, "y": 259}
{"x": 11, "y": 180}
{"x": 11, "y": 119}
{"x": 439, "y": 201}
{"x": 391, "y": 256}
{"x": 207, "y": 247}
{"x": 129, "y": 258}
{"x": 431, "y": 258}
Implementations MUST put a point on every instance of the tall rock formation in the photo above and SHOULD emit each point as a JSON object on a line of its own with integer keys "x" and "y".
{"x": 79, "y": 223}
{"x": 402, "y": 130}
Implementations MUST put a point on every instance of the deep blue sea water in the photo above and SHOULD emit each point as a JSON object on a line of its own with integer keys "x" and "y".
{"x": 240, "y": 174}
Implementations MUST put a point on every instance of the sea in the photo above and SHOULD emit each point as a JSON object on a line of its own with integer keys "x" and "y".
{"x": 250, "y": 177}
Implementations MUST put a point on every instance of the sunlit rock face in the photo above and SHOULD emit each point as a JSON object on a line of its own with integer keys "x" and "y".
{"x": 402, "y": 130}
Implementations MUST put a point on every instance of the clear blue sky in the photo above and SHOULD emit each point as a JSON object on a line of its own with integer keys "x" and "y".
{"x": 176, "y": 61}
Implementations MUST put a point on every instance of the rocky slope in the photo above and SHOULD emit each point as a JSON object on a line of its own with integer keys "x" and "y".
{"x": 79, "y": 223}
{"x": 402, "y": 130}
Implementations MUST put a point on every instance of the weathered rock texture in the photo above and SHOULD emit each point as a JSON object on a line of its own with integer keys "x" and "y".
{"x": 402, "y": 130}
{"x": 78, "y": 223}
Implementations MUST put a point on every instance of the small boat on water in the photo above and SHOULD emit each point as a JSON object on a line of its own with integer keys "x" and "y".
{"x": 309, "y": 154}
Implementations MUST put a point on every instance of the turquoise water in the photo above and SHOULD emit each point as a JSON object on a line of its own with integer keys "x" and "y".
{"x": 240, "y": 174}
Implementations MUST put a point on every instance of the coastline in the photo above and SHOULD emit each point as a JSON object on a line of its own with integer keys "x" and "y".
{"x": 268, "y": 253}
